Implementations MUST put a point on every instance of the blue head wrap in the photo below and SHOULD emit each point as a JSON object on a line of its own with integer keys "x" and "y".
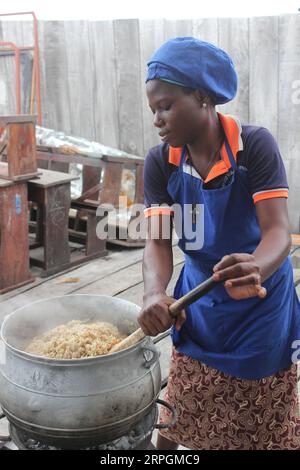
{"x": 196, "y": 64}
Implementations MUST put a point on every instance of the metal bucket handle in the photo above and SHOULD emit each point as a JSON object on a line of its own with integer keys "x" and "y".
{"x": 173, "y": 418}
{"x": 155, "y": 355}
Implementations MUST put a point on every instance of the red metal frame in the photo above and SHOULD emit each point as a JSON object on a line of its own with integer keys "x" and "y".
{"x": 9, "y": 46}
{"x": 12, "y": 46}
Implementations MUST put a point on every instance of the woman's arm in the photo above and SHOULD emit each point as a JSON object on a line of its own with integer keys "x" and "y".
{"x": 157, "y": 272}
{"x": 275, "y": 245}
{"x": 157, "y": 267}
{"x": 244, "y": 273}
{"x": 158, "y": 256}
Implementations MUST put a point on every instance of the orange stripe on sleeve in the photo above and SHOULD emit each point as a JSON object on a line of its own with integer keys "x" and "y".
{"x": 150, "y": 211}
{"x": 270, "y": 195}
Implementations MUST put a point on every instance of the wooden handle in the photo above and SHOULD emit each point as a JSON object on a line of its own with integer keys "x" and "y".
{"x": 174, "y": 310}
{"x": 132, "y": 339}
{"x": 192, "y": 296}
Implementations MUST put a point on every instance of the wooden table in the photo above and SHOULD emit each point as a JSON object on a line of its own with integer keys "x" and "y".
{"x": 14, "y": 250}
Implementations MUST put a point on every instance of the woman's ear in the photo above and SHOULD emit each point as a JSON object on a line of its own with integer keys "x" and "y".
{"x": 202, "y": 100}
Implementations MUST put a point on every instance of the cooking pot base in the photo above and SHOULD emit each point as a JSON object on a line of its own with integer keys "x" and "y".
{"x": 139, "y": 437}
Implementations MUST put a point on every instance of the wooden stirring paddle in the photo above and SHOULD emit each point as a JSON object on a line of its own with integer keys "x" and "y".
{"x": 174, "y": 310}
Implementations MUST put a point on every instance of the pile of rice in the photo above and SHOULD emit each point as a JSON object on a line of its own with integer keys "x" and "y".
{"x": 75, "y": 340}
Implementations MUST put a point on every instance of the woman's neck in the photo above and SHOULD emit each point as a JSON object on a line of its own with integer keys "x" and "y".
{"x": 204, "y": 150}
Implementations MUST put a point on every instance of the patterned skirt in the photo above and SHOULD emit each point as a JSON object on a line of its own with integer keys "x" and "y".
{"x": 220, "y": 412}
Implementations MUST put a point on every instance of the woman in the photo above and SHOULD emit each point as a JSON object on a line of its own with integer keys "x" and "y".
{"x": 232, "y": 379}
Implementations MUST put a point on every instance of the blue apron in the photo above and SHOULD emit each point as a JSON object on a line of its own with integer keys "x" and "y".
{"x": 249, "y": 338}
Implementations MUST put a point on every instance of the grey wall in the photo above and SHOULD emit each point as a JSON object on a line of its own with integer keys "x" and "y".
{"x": 92, "y": 78}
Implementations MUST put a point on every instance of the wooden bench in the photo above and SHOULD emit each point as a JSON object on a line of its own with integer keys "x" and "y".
{"x": 17, "y": 140}
{"x": 51, "y": 192}
{"x": 14, "y": 250}
{"x": 18, "y": 149}
{"x": 109, "y": 170}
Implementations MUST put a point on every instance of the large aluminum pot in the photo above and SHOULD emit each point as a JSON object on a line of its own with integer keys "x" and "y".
{"x": 80, "y": 400}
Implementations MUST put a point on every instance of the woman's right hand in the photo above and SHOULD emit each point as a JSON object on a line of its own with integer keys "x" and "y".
{"x": 155, "y": 317}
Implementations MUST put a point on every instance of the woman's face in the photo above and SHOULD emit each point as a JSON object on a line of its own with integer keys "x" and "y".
{"x": 178, "y": 113}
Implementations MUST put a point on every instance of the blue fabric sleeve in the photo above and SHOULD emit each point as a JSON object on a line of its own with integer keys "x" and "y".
{"x": 156, "y": 175}
{"x": 264, "y": 162}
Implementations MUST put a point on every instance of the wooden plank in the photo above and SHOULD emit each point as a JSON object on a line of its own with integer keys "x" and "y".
{"x": 104, "y": 83}
{"x": 135, "y": 293}
{"x": 151, "y": 37}
{"x": 62, "y": 167}
{"x": 234, "y": 39}
{"x": 289, "y": 109}
{"x": 21, "y": 149}
{"x": 10, "y": 33}
{"x": 127, "y": 50}
{"x": 94, "y": 245}
{"x": 206, "y": 29}
{"x": 87, "y": 274}
{"x": 21, "y": 118}
{"x": 296, "y": 273}
{"x": 79, "y": 65}
{"x": 139, "y": 185}
{"x": 116, "y": 283}
{"x": 176, "y": 28}
{"x": 27, "y": 63}
{"x": 127, "y": 158}
{"x": 55, "y": 237}
{"x": 293, "y": 171}
{"x": 124, "y": 279}
{"x": 62, "y": 157}
{"x": 50, "y": 178}
{"x": 298, "y": 290}
{"x": 21, "y": 34}
{"x": 7, "y": 90}
{"x": 13, "y": 31}
{"x": 90, "y": 179}
{"x": 54, "y": 73}
{"x": 110, "y": 191}
{"x": 263, "y": 81}
{"x": 3, "y": 87}
{"x": 4, "y": 183}
{"x": 27, "y": 69}
{"x": 14, "y": 251}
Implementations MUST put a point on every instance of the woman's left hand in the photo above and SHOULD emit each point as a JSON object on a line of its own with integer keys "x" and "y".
{"x": 241, "y": 274}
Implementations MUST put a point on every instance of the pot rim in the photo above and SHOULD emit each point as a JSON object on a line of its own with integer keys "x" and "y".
{"x": 60, "y": 362}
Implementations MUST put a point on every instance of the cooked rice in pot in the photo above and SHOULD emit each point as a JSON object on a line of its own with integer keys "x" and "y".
{"x": 75, "y": 340}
